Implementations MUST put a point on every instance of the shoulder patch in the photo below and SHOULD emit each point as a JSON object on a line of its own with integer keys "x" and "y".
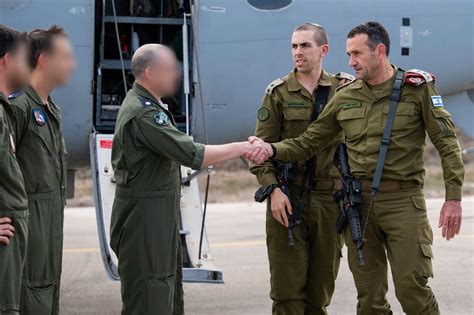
{"x": 39, "y": 117}
{"x": 161, "y": 118}
{"x": 416, "y": 77}
{"x": 263, "y": 114}
{"x": 437, "y": 101}
{"x": 273, "y": 85}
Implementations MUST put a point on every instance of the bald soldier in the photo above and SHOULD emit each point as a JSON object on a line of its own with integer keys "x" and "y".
{"x": 14, "y": 74}
{"x": 394, "y": 215}
{"x": 146, "y": 156}
{"x": 303, "y": 275}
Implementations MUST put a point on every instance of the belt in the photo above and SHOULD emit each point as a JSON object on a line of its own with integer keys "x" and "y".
{"x": 390, "y": 185}
{"x": 327, "y": 184}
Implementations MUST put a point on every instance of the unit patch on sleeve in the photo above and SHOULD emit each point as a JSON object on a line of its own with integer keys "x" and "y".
{"x": 39, "y": 117}
{"x": 161, "y": 119}
{"x": 263, "y": 114}
{"x": 437, "y": 101}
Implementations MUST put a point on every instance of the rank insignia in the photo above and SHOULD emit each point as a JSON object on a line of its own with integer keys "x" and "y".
{"x": 437, "y": 101}
{"x": 39, "y": 117}
{"x": 161, "y": 119}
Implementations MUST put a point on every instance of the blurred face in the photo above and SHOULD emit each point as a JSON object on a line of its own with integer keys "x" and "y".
{"x": 365, "y": 61}
{"x": 59, "y": 63}
{"x": 307, "y": 55}
{"x": 17, "y": 69}
{"x": 165, "y": 74}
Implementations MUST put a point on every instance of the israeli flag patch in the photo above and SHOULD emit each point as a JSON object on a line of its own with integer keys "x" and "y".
{"x": 437, "y": 101}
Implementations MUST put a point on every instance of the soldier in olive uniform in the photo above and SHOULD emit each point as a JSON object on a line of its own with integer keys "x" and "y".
{"x": 146, "y": 156}
{"x": 38, "y": 134}
{"x": 397, "y": 224}
{"x": 303, "y": 276}
{"x": 13, "y": 203}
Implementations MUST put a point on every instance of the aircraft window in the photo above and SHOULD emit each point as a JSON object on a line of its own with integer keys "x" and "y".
{"x": 269, "y": 4}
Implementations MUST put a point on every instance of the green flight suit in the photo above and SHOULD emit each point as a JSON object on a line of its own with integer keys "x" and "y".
{"x": 146, "y": 155}
{"x": 42, "y": 157}
{"x": 398, "y": 226}
{"x": 13, "y": 204}
{"x": 303, "y": 276}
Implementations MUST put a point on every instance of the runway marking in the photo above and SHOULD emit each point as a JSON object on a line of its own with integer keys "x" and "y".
{"x": 231, "y": 244}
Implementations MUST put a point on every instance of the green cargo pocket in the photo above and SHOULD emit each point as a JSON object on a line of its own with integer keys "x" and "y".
{"x": 159, "y": 294}
{"x": 38, "y": 299}
{"x": 426, "y": 257}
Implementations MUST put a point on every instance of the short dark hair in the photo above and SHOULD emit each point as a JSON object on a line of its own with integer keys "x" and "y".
{"x": 376, "y": 32}
{"x": 41, "y": 41}
{"x": 10, "y": 39}
{"x": 320, "y": 35}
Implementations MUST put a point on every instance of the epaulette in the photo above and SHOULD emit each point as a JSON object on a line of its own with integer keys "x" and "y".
{"x": 416, "y": 77}
{"x": 146, "y": 102}
{"x": 345, "y": 76}
{"x": 273, "y": 85}
{"x": 14, "y": 95}
{"x": 345, "y": 84}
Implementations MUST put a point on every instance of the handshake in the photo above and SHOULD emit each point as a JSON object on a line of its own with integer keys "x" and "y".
{"x": 256, "y": 150}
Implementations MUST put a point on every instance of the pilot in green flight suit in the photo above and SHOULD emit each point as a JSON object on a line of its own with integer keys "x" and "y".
{"x": 13, "y": 205}
{"x": 42, "y": 157}
{"x": 147, "y": 153}
{"x": 13, "y": 202}
{"x": 38, "y": 134}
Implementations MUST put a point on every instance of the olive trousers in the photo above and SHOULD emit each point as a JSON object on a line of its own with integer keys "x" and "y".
{"x": 43, "y": 266}
{"x": 302, "y": 277}
{"x": 398, "y": 230}
{"x": 145, "y": 238}
{"x": 12, "y": 261}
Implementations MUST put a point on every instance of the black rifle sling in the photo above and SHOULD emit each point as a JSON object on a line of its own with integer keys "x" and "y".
{"x": 394, "y": 99}
{"x": 322, "y": 96}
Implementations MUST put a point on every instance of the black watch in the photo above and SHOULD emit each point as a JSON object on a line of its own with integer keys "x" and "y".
{"x": 274, "y": 151}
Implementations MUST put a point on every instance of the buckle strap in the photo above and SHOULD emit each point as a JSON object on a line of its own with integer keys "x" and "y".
{"x": 385, "y": 141}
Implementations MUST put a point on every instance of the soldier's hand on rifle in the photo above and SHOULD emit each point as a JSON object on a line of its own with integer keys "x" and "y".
{"x": 281, "y": 205}
{"x": 6, "y": 230}
{"x": 450, "y": 218}
{"x": 258, "y": 157}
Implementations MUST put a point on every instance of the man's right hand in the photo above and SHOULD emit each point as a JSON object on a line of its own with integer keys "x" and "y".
{"x": 6, "y": 230}
{"x": 264, "y": 153}
{"x": 281, "y": 205}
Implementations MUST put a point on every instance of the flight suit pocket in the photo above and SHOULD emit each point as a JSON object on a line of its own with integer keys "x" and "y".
{"x": 161, "y": 233}
{"x": 159, "y": 294}
{"x": 38, "y": 298}
{"x": 352, "y": 121}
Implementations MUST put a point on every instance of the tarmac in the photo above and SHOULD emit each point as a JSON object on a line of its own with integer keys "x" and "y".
{"x": 237, "y": 236}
